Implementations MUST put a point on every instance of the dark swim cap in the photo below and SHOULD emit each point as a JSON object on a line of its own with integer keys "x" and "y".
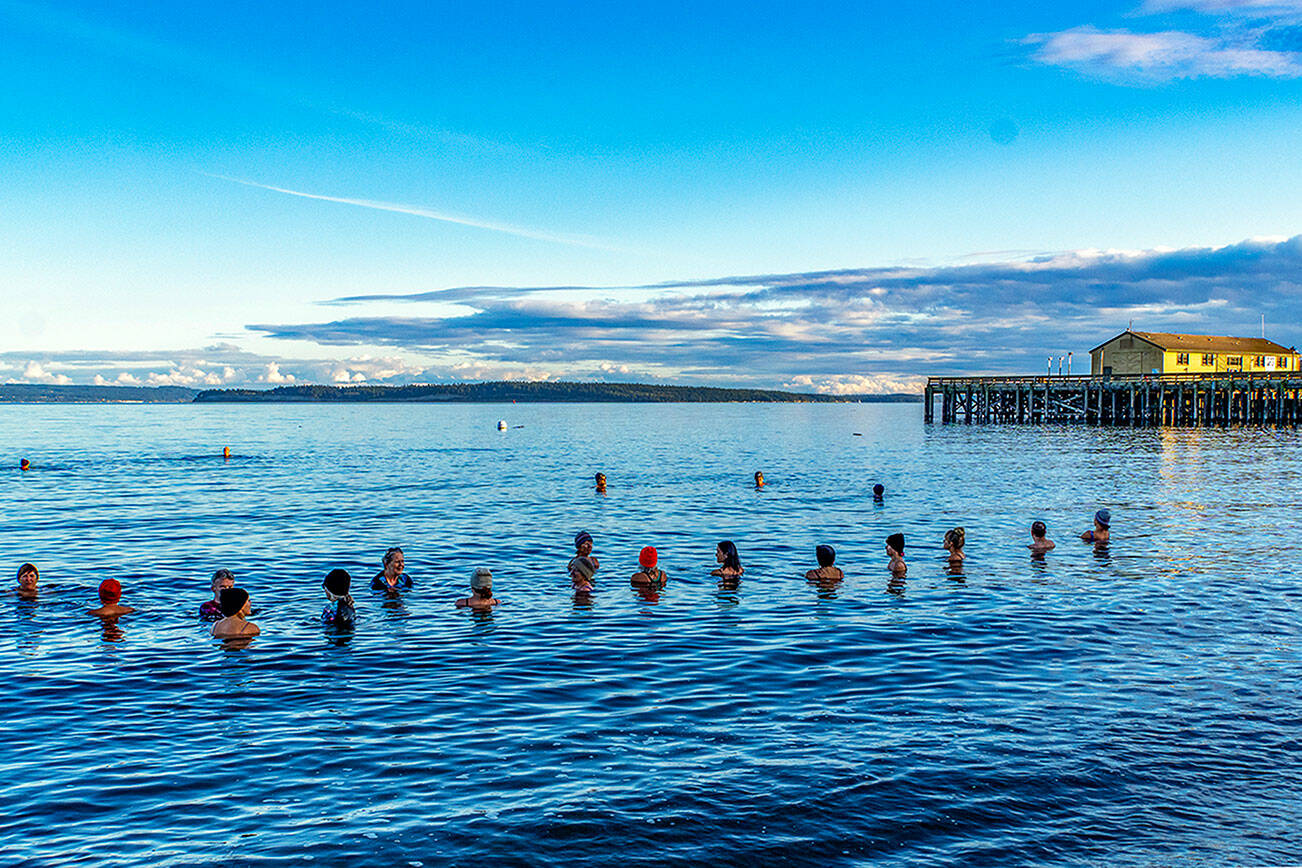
{"x": 826, "y": 555}
{"x": 879, "y": 490}
{"x": 233, "y": 599}
{"x": 896, "y": 541}
{"x": 581, "y": 537}
{"x": 338, "y": 582}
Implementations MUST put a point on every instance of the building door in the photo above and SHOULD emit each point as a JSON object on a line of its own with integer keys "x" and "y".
{"x": 1107, "y": 372}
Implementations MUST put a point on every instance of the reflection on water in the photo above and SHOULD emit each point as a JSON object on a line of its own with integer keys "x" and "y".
{"x": 989, "y": 714}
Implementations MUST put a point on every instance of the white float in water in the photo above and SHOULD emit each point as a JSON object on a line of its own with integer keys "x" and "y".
{"x": 501, "y": 424}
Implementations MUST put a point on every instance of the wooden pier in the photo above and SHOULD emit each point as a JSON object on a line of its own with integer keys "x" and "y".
{"x": 1192, "y": 400}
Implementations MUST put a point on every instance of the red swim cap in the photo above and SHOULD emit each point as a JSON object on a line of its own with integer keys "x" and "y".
{"x": 110, "y": 591}
{"x": 647, "y": 557}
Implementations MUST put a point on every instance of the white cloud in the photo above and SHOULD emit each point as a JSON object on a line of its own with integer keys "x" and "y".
{"x": 34, "y": 372}
{"x": 1163, "y": 55}
{"x": 271, "y": 374}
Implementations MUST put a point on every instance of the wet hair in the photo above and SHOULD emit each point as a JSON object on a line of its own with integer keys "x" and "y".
{"x": 1038, "y": 529}
{"x": 731, "y": 560}
{"x": 233, "y": 599}
{"x": 896, "y": 541}
{"x": 338, "y": 582}
{"x": 879, "y": 490}
{"x": 826, "y": 555}
{"x": 600, "y": 477}
{"x": 956, "y": 537}
{"x": 389, "y": 553}
{"x": 28, "y": 568}
{"x": 759, "y": 474}
{"x": 221, "y": 575}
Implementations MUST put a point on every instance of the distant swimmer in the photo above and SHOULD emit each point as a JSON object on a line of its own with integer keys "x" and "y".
{"x": 648, "y": 561}
{"x": 954, "y": 541}
{"x": 24, "y": 464}
{"x": 235, "y": 608}
{"x": 879, "y": 492}
{"x": 28, "y": 577}
{"x": 481, "y": 590}
{"x": 759, "y": 479}
{"x": 601, "y": 483}
{"x": 339, "y": 610}
{"x": 1039, "y": 542}
{"x": 110, "y": 595}
{"x": 1102, "y": 519}
{"x": 725, "y": 553}
{"x": 827, "y": 570}
{"x": 211, "y": 610}
{"x": 895, "y": 549}
{"x": 392, "y": 579}
{"x": 582, "y": 567}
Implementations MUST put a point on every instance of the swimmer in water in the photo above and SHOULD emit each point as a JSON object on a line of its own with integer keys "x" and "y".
{"x": 895, "y": 549}
{"x": 339, "y": 610}
{"x": 235, "y": 608}
{"x": 28, "y": 577}
{"x": 481, "y": 590}
{"x": 1039, "y": 542}
{"x": 110, "y": 592}
{"x": 650, "y": 573}
{"x": 759, "y": 479}
{"x": 879, "y": 492}
{"x": 954, "y": 541}
{"x": 1102, "y": 519}
{"x": 211, "y": 610}
{"x": 601, "y": 483}
{"x": 392, "y": 579}
{"x": 582, "y": 566}
{"x": 827, "y": 568}
{"x": 24, "y": 464}
{"x": 725, "y": 553}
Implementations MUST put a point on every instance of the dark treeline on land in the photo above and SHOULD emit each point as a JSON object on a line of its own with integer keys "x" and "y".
{"x": 24, "y": 393}
{"x": 536, "y": 392}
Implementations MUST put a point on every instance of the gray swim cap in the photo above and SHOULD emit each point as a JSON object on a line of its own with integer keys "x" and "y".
{"x": 1103, "y": 517}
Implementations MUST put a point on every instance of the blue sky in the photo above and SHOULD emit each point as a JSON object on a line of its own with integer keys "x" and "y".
{"x": 190, "y": 190}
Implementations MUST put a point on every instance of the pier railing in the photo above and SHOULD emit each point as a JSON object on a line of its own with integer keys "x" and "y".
{"x": 1232, "y": 397}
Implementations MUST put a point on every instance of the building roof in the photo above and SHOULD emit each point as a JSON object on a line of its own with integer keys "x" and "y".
{"x": 1206, "y": 343}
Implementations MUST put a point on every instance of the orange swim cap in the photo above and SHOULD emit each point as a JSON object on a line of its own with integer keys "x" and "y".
{"x": 647, "y": 557}
{"x": 110, "y": 591}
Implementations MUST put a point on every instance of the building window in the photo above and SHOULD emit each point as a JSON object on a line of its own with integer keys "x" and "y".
{"x": 1182, "y": 359}
{"x": 1234, "y": 360}
{"x": 1209, "y": 358}
{"x": 1283, "y": 363}
{"x": 1260, "y": 361}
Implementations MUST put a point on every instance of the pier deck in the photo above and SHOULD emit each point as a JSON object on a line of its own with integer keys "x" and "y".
{"x": 1142, "y": 400}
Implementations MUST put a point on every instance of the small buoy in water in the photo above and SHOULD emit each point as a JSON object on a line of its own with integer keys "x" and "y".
{"x": 501, "y": 424}
{"x": 226, "y": 452}
{"x": 24, "y": 464}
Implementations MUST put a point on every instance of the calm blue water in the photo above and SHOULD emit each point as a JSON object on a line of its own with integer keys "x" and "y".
{"x": 1133, "y": 706}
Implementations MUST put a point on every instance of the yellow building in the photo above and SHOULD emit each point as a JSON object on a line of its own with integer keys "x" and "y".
{"x": 1133, "y": 352}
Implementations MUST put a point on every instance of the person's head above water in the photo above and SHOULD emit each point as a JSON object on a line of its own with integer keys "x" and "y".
{"x": 1103, "y": 518}
{"x": 726, "y": 554}
{"x": 1038, "y": 530}
{"x": 583, "y": 568}
{"x": 481, "y": 581}
{"x": 895, "y": 542}
{"x": 583, "y": 542}
{"x": 394, "y": 560}
{"x": 600, "y": 480}
{"x": 759, "y": 478}
{"x": 234, "y": 601}
{"x": 648, "y": 558}
{"x": 878, "y": 491}
{"x": 223, "y": 578}
{"x": 30, "y": 573}
{"x": 826, "y": 556}
{"x": 110, "y": 591}
{"x": 955, "y": 538}
{"x": 337, "y": 583}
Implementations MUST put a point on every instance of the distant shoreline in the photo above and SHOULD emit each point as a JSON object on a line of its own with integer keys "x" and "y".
{"x": 503, "y": 392}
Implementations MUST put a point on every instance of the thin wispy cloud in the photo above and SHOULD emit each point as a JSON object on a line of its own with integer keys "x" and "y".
{"x": 1236, "y": 38}
{"x": 428, "y": 214}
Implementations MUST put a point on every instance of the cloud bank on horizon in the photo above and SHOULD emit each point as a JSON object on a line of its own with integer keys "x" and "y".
{"x": 846, "y": 332}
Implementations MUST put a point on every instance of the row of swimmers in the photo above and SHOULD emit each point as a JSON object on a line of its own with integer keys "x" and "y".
{"x": 230, "y": 606}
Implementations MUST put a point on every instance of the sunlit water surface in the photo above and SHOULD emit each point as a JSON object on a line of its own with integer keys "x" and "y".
{"x": 1137, "y": 705}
